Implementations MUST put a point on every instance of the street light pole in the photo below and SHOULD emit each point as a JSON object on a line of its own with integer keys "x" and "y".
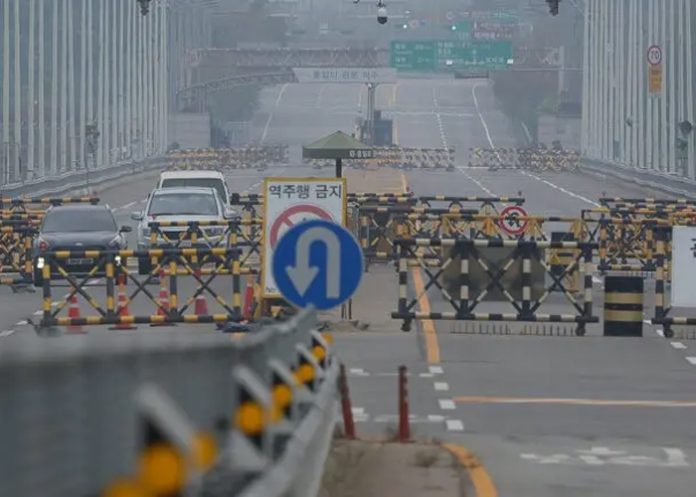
{"x": 92, "y": 141}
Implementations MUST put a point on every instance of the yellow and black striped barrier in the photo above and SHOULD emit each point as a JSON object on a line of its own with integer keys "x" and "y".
{"x": 170, "y": 307}
{"x": 623, "y": 306}
{"x": 465, "y": 255}
{"x": 16, "y": 265}
{"x": 22, "y": 204}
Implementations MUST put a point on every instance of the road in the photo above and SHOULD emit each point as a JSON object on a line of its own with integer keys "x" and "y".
{"x": 546, "y": 416}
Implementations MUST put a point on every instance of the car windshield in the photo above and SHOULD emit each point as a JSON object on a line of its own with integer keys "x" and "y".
{"x": 195, "y": 182}
{"x": 73, "y": 221}
{"x": 179, "y": 204}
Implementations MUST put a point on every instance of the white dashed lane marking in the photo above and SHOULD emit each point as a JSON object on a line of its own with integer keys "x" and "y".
{"x": 446, "y": 404}
{"x": 441, "y": 386}
{"x": 678, "y": 345}
{"x": 454, "y": 425}
{"x": 435, "y": 369}
{"x": 692, "y": 360}
{"x": 6, "y": 333}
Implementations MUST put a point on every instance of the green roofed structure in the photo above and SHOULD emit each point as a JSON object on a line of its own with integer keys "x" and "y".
{"x": 337, "y": 146}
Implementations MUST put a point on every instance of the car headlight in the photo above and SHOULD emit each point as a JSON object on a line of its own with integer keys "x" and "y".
{"x": 117, "y": 260}
{"x": 40, "y": 263}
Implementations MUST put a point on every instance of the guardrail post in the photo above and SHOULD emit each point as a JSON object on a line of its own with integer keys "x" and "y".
{"x": 250, "y": 444}
{"x": 404, "y": 428}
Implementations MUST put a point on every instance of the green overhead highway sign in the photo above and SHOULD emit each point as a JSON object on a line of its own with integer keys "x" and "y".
{"x": 413, "y": 55}
{"x": 432, "y": 55}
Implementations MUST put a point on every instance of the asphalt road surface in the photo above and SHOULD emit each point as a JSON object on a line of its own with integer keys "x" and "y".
{"x": 546, "y": 416}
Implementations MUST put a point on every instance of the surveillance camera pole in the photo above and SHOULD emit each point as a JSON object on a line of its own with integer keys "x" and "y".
{"x": 370, "y": 121}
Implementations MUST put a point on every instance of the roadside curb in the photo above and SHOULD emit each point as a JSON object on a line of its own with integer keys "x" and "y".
{"x": 480, "y": 479}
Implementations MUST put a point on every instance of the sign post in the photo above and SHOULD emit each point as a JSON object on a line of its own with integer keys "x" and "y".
{"x": 292, "y": 201}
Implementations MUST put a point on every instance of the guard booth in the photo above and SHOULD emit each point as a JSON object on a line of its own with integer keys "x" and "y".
{"x": 338, "y": 146}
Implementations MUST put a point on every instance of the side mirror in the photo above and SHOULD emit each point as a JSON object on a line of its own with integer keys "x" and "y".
{"x": 229, "y": 213}
{"x": 136, "y": 216}
{"x": 125, "y": 229}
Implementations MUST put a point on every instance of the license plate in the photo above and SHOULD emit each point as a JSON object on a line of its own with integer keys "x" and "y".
{"x": 184, "y": 244}
{"x": 80, "y": 261}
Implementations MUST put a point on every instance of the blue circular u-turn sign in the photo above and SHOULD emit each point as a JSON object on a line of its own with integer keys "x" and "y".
{"x": 317, "y": 263}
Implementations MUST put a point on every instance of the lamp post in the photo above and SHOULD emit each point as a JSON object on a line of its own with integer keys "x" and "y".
{"x": 92, "y": 142}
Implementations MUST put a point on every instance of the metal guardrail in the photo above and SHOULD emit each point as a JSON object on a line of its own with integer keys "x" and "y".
{"x": 79, "y": 416}
{"x": 81, "y": 179}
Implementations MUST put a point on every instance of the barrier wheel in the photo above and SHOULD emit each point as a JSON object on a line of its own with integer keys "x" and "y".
{"x": 668, "y": 332}
{"x": 580, "y": 331}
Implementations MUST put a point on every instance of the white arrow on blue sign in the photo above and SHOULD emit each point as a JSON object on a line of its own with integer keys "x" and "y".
{"x": 317, "y": 263}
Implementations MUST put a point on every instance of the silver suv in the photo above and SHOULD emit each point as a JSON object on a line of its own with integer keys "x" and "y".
{"x": 180, "y": 204}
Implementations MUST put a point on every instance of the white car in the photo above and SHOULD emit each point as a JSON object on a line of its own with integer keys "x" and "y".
{"x": 181, "y": 205}
{"x": 197, "y": 179}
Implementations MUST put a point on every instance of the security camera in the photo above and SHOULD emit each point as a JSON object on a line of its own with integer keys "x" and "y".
{"x": 381, "y": 13}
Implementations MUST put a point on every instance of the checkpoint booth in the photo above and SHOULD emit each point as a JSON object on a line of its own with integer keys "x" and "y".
{"x": 338, "y": 146}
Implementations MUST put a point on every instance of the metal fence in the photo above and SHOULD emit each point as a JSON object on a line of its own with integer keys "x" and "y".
{"x": 78, "y": 415}
{"x": 86, "y": 84}
{"x": 635, "y": 110}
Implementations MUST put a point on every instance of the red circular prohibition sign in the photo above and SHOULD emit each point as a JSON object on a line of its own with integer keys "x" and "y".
{"x": 285, "y": 218}
{"x": 509, "y": 222}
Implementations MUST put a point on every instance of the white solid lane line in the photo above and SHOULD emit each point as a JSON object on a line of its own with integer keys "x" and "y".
{"x": 678, "y": 345}
{"x": 6, "y": 333}
{"x": 441, "y": 386}
{"x": 560, "y": 188}
{"x": 692, "y": 360}
{"x": 525, "y": 173}
{"x": 435, "y": 369}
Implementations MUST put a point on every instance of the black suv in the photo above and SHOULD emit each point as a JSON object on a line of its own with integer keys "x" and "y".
{"x": 77, "y": 227}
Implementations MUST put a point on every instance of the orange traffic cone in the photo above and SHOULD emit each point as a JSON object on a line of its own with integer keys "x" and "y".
{"x": 201, "y": 304}
{"x": 74, "y": 313}
{"x": 163, "y": 300}
{"x": 123, "y": 306}
{"x": 248, "y": 308}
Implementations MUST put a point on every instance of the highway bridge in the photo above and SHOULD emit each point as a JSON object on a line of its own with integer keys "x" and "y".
{"x": 538, "y": 410}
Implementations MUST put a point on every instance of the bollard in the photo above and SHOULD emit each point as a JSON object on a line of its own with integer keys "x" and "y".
{"x": 346, "y": 408}
{"x": 623, "y": 306}
{"x": 404, "y": 428}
